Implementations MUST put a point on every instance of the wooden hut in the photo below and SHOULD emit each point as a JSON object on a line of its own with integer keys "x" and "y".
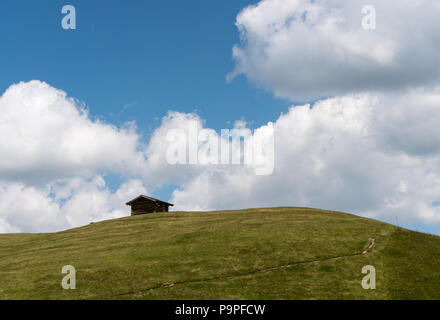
{"x": 144, "y": 204}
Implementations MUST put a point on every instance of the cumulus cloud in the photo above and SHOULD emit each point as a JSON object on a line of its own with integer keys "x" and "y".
{"x": 157, "y": 168}
{"x": 53, "y": 156}
{"x": 49, "y": 136}
{"x": 182, "y": 147}
{"x": 304, "y": 50}
{"x": 24, "y": 208}
{"x": 374, "y": 155}
{"x": 92, "y": 201}
{"x": 62, "y": 204}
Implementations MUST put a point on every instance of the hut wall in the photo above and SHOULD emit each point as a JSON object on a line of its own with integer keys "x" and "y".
{"x": 147, "y": 207}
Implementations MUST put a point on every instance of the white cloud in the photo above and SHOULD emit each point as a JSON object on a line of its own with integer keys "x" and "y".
{"x": 371, "y": 154}
{"x": 62, "y": 204}
{"x": 50, "y": 136}
{"x": 52, "y": 158}
{"x": 92, "y": 201}
{"x": 24, "y": 208}
{"x": 304, "y": 50}
{"x": 375, "y": 155}
{"x": 157, "y": 168}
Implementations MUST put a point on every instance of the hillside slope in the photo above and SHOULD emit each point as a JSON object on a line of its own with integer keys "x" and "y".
{"x": 277, "y": 253}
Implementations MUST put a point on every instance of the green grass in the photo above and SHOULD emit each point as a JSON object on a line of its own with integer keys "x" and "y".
{"x": 274, "y": 253}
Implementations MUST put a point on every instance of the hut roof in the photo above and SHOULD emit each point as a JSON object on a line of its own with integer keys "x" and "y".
{"x": 143, "y": 198}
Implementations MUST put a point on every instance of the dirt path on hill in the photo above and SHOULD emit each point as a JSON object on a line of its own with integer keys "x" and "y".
{"x": 369, "y": 247}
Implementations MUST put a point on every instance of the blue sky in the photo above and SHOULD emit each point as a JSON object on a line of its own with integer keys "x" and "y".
{"x": 150, "y": 56}
{"x": 135, "y": 60}
{"x": 369, "y": 144}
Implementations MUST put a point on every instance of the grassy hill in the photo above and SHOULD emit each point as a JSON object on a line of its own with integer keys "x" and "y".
{"x": 277, "y": 253}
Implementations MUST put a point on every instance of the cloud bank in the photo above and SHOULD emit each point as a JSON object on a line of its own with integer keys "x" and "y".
{"x": 304, "y": 50}
{"x": 51, "y": 136}
{"x": 368, "y": 144}
{"x": 52, "y": 159}
{"x": 375, "y": 154}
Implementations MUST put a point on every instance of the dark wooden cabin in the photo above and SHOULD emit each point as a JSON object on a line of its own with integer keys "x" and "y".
{"x": 144, "y": 204}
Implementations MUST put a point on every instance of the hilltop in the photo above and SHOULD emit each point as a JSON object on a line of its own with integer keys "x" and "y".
{"x": 267, "y": 253}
